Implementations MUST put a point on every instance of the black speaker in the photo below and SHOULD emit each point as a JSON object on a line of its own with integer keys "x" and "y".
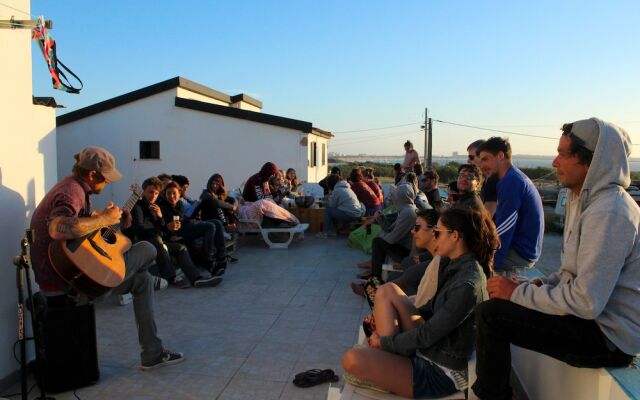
{"x": 69, "y": 354}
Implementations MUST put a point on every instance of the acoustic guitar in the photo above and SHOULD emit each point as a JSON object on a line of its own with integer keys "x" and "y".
{"x": 93, "y": 264}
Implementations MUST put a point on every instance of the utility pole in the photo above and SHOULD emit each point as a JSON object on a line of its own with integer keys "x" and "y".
{"x": 426, "y": 137}
{"x": 430, "y": 146}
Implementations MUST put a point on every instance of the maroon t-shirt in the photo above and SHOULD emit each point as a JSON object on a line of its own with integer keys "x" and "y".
{"x": 68, "y": 198}
{"x": 255, "y": 189}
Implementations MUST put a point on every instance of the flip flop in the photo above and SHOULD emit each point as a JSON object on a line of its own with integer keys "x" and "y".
{"x": 315, "y": 377}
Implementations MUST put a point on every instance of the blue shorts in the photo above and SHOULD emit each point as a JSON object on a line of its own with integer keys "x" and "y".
{"x": 429, "y": 380}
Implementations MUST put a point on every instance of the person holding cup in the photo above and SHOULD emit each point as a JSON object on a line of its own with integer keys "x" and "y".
{"x": 211, "y": 232}
{"x": 149, "y": 225}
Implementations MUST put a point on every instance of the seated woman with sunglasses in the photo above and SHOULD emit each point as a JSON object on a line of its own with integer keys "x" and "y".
{"x": 423, "y": 352}
{"x": 413, "y": 266}
{"x": 412, "y": 277}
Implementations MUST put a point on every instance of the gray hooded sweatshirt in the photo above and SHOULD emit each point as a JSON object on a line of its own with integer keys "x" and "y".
{"x": 599, "y": 278}
{"x": 344, "y": 199}
{"x": 399, "y": 231}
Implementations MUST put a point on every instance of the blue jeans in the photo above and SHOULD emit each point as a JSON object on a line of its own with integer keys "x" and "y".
{"x": 371, "y": 211}
{"x": 333, "y": 215}
{"x": 212, "y": 234}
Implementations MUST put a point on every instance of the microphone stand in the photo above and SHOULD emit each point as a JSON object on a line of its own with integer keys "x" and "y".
{"x": 23, "y": 263}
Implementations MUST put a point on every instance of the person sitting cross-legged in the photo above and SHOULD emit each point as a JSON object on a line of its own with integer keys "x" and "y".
{"x": 424, "y": 352}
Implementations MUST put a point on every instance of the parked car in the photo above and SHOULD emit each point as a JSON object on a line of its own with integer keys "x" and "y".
{"x": 561, "y": 203}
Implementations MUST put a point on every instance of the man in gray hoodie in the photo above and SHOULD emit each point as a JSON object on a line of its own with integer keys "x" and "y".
{"x": 587, "y": 313}
{"x": 343, "y": 206}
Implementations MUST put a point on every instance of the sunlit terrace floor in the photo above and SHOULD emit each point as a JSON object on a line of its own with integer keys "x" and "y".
{"x": 277, "y": 313}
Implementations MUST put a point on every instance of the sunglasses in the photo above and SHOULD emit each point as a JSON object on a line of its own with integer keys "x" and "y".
{"x": 436, "y": 232}
{"x": 469, "y": 177}
{"x": 417, "y": 227}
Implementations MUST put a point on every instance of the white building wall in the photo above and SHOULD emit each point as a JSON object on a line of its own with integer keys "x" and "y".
{"x": 315, "y": 174}
{"x": 192, "y": 143}
{"x": 27, "y": 164}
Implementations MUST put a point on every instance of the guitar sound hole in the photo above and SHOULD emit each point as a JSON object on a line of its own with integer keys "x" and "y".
{"x": 108, "y": 235}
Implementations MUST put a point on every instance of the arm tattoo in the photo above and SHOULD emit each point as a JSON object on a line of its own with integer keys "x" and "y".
{"x": 74, "y": 227}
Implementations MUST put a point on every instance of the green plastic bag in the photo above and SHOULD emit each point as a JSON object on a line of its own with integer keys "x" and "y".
{"x": 359, "y": 239}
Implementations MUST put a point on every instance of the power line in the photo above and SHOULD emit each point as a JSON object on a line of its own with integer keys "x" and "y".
{"x": 500, "y": 131}
{"x": 365, "y": 139}
{"x": 494, "y": 130}
{"x": 350, "y": 138}
{"x": 378, "y": 129}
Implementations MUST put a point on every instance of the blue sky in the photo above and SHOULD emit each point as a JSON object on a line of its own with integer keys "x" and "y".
{"x": 523, "y": 67}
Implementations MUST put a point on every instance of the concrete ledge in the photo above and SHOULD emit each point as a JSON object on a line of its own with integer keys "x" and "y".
{"x": 544, "y": 377}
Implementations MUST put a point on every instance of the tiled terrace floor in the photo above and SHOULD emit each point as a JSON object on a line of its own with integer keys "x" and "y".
{"x": 277, "y": 313}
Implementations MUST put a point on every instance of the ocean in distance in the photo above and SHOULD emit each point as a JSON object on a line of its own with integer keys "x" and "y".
{"x": 519, "y": 161}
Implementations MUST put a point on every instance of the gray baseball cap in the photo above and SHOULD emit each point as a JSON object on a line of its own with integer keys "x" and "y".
{"x": 587, "y": 131}
{"x": 100, "y": 160}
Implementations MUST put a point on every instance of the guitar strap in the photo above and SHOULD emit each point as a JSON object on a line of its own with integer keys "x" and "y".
{"x": 48, "y": 48}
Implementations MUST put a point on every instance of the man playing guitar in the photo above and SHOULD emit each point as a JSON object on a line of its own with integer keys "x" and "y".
{"x": 65, "y": 214}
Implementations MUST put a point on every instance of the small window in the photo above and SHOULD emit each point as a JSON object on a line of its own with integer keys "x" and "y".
{"x": 324, "y": 154}
{"x": 314, "y": 154}
{"x": 150, "y": 150}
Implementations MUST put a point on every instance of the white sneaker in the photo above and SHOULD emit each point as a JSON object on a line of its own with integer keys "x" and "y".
{"x": 125, "y": 299}
{"x": 160, "y": 283}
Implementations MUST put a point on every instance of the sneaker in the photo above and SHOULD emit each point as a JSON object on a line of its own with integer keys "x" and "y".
{"x": 321, "y": 235}
{"x": 207, "y": 282}
{"x": 125, "y": 299}
{"x": 232, "y": 260}
{"x": 160, "y": 283}
{"x": 218, "y": 271}
{"x": 167, "y": 357}
{"x": 180, "y": 282}
{"x": 227, "y": 236}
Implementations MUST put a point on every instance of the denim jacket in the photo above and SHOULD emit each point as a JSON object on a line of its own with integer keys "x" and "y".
{"x": 448, "y": 335}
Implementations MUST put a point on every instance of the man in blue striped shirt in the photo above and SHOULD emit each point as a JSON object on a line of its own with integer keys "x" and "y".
{"x": 519, "y": 217}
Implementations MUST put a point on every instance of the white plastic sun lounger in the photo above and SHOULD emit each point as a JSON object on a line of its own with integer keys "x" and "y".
{"x": 254, "y": 226}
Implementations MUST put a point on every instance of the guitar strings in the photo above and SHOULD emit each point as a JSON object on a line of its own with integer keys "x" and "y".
{"x": 110, "y": 234}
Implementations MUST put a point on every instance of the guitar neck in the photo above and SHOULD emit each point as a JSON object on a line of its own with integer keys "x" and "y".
{"x": 128, "y": 205}
{"x": 131, "y": 201}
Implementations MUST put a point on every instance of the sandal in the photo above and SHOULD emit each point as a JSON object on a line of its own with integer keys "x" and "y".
{"x": 315, "y": 377}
